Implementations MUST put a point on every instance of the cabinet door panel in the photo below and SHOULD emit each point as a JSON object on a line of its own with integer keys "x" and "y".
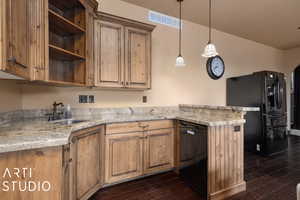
{"x": 86, "y": 158}
{"x": 45, "y": 165}
{"x": 26, "y": 36}
{"x": 18, "y": 37}
{"x": 109, "y": 54}
{"x": 123, "y": 157}
{"x": 159, "y": 150}
{"x": 138, "y": 58}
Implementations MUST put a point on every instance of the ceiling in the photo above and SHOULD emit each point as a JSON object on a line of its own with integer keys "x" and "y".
{"x": 271, "y": 22}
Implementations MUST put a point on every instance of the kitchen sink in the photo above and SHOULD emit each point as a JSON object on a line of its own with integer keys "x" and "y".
{"x": 68, "y": 121}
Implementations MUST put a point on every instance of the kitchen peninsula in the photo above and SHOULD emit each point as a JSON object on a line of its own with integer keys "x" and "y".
{"x": 103, "y": 147}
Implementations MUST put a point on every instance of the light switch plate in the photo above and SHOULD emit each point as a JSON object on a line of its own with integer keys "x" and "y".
{"x": 145, "y": 99}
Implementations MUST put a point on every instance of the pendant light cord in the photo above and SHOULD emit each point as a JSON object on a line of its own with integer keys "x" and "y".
{"x": 209, "y": 41}
{"x": 180, "y": 1}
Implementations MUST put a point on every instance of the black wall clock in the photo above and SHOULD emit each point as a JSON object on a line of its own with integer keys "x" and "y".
{"x": 215, "y": 67}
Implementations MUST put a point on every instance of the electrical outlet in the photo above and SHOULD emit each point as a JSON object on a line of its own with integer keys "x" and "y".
{"x": 144, "y": 99}
{"x": 83, "y": 98}
{"x": 91, "y": 99}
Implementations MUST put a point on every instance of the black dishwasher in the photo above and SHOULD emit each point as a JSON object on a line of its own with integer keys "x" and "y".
{"x": 193, "y": 157}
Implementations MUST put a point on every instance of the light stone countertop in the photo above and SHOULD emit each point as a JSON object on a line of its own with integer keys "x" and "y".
{"x": 39, "y": 133}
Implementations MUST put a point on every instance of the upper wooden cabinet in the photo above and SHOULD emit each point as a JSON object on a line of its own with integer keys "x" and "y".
{"x": 48, "y": 40}
{"x": 22, "y": 37}
{"x": 65, "y": 42}
{"x": 122, "y": 53}
{"x": 138, "y": 58}
{"x": 69, "y": 41}
{"x": 109, "y": 54}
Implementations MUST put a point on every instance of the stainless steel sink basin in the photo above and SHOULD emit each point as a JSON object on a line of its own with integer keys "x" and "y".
{"x": 68, "y": 121}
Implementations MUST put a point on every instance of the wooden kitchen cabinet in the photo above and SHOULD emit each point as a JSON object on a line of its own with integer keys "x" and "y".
{"x": 122, "y": 53}
{"x": 109, "y": 51}
{"x": 158, "y": 150}
{"x": 123, "y": 157}
{"x": 138, "y": 148}
{"x": 138, "y": 58}
{"x": 50, "y": 41}
{"x": 22, "y": 37}
{"x": 225, "y": 161}
{"x": 86, "y": 169}
{"x": 42, "y": 167}
{"x": 69, "y": 42}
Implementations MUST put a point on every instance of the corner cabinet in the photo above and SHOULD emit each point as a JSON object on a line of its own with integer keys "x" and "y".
{"x": 85, "y": 168}
{"x": 122, "y": 53}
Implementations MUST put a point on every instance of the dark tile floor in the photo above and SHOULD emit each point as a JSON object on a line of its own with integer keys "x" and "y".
{"x": 272, "y": 178}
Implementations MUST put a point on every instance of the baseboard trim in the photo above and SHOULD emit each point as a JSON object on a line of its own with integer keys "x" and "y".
{"x": 223, "y": 194}
{"x": 295, "y": 132}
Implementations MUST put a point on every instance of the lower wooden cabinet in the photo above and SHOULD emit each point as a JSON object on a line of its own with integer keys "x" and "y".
{"x": 32, "y": 174}
{"x": 124, "y": 157}
{"x": 158, "y": 150}
{"x": 85, "y": 170}
{"x": 132, "y": 154}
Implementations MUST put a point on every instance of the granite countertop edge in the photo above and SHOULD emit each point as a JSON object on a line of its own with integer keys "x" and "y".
{"x": 233, "y": 108}
{"x": 59, "y": 135}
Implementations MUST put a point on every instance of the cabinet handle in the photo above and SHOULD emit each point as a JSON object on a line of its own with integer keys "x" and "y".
{"x": 146, "y": 126}
{"x": 14, "y": 61}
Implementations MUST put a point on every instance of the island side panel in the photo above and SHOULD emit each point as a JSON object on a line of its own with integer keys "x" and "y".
{"x": 45, "y": 166}
{"x": 225, "y": 161}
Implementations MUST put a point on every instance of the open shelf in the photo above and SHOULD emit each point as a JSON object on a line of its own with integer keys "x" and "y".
{"x": 65, "y": 83}
{"x": 63, "y": 26}
{"x": 67, "y": 43}
{"x": 62, "y": 54}
{"x": 69, "y": 4}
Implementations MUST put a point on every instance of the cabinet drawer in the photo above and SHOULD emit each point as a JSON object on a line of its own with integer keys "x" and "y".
{"x": 123, "y": 128}
{"x": 159, "y": 124}
{"x": 138, "y": 126}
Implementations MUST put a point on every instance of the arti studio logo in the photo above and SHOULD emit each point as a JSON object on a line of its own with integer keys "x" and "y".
{"x": 22, "y": 179}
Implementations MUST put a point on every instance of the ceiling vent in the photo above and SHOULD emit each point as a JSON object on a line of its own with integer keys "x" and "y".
{"x": 160, "y": 18}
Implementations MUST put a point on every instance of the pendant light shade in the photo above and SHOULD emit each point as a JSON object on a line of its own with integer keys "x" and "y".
{"x": 180, "y": 60}
{"x": 210, "y": 49}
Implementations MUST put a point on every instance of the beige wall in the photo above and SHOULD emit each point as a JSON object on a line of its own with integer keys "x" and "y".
{"x": 171, "y": 85}
{"x": 10, "y": 96}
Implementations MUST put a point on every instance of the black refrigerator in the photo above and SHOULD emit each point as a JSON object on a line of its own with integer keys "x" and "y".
{"x": 265, "y": 131}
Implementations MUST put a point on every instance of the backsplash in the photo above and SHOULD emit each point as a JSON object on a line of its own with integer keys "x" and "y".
{"x": 84, "y": 112}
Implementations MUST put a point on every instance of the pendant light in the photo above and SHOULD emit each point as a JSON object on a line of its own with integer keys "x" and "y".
{"x": 179, "y": 59}
{"x": 210, "y": 49}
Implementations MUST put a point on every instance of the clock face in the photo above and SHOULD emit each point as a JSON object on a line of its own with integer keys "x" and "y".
{"x": 215, "y": 67}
